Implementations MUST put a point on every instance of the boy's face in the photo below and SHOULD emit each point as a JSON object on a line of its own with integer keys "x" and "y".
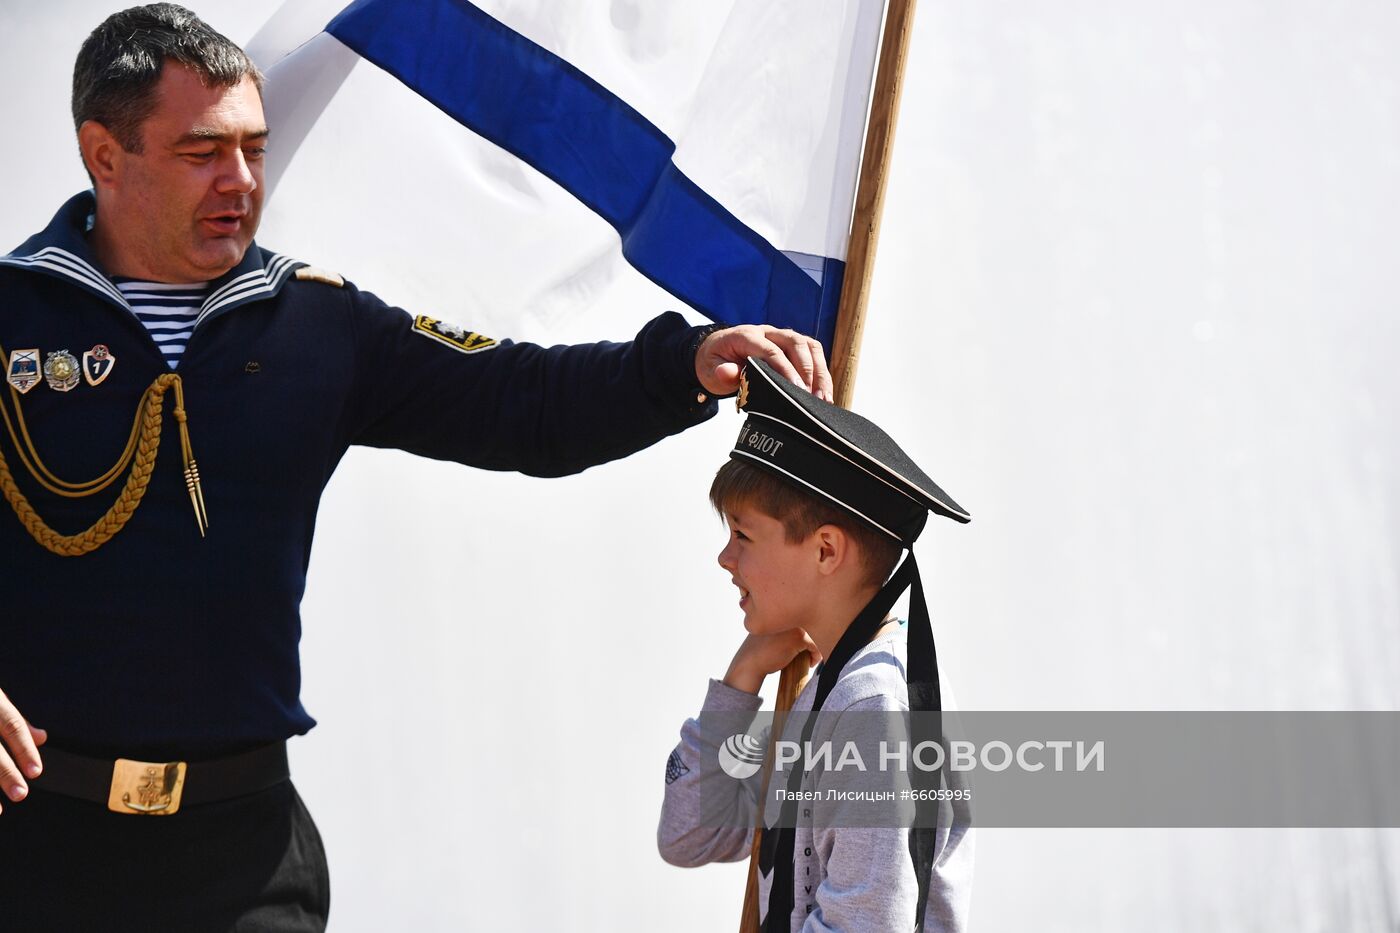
{"x": 777, "y": 580}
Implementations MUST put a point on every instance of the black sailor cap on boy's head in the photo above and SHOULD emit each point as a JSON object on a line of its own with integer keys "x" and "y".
{"x": 836, "y": 455}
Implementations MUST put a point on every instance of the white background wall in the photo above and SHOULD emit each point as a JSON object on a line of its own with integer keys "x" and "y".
{"x": 1135, "y": 308}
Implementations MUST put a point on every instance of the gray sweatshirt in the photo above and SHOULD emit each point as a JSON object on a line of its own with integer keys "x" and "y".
{"x": 850, "y": 879}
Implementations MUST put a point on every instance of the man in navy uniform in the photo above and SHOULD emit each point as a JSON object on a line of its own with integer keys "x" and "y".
{"x": 209, "y": 387}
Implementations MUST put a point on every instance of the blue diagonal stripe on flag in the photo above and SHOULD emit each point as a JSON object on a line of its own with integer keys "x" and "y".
{"x": 552, "y": 116}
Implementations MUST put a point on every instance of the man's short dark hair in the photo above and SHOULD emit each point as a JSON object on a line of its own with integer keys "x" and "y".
{"x": 739, "y": 484}
{"x": 115, "y": 76}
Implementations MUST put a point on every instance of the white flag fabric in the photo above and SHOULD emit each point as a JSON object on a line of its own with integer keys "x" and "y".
{"x": 714, "y": 147}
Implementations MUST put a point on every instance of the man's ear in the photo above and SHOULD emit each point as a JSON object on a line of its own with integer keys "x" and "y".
{"x": 833, "y": 549}
{"x": 102, "y": 154}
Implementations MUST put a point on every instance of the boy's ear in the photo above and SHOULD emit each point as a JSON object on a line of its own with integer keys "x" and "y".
{"x": 833, "y": 549}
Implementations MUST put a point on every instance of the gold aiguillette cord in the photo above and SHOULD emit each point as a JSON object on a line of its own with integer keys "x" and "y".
{"x": 140, "y": 456}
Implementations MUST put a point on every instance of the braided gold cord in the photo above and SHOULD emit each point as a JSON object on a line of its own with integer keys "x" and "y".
{"x": 146, "y": 446}
{"x": 41, "y": 473}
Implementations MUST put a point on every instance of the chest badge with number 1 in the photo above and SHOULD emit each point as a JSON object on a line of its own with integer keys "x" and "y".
{"x": 97, "y": 364}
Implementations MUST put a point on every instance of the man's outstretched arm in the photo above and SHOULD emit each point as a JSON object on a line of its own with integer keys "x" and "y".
{"x": 439, "y": 390}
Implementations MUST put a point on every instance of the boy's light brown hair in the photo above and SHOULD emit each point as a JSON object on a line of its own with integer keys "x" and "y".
{"x": 739, "y": 484}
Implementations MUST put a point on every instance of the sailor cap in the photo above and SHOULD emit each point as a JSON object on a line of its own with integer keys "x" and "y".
{"x": 837, "y": 455}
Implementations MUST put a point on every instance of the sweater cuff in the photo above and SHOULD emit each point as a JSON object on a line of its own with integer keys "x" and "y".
{"x": 722, "y": 698}
{"x": 676, "y": 343}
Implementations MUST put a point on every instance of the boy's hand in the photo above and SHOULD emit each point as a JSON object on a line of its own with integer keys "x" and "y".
{"x": 761, "y": 655}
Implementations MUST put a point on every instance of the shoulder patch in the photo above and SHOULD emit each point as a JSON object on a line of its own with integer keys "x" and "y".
{"x": 313, "y": 274}
{"x": 456, "y": 337}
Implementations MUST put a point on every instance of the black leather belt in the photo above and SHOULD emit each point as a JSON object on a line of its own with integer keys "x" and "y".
{"x": 161, "y": 788}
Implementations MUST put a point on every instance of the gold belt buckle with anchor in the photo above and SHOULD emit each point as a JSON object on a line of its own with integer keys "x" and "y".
{"x": 146, "y": 788}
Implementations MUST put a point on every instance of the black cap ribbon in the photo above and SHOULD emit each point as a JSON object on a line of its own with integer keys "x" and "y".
{"x": 778, "y": 845}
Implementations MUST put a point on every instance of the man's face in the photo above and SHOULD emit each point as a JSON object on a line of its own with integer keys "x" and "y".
{"x": 187, "y": 206}
{"x": 776, "y": 580}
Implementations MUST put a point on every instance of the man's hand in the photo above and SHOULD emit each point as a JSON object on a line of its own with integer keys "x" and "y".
{"x": 801, "y": 359}
{"x": 761, "y": 655}
{"x": 19, "y": 751}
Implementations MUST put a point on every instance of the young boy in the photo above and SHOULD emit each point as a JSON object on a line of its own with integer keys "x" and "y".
{"x": 820, "y": 505}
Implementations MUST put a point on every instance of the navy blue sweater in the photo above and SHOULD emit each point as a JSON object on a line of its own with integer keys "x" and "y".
{"x": 162, "y": 643}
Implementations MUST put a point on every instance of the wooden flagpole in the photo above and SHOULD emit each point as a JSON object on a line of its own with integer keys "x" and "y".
{"x": 850, "y": 320}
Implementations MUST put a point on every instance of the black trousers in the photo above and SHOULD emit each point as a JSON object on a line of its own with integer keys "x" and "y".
{"x": 255, "y": 863}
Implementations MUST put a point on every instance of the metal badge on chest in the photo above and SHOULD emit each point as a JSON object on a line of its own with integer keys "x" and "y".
{"x": 60, "y": 369}
{"x": 22, "y": 373}
{"x": 97, "y": 364}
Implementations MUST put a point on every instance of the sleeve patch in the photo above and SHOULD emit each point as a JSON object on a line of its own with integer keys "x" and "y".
{"x": 675, "y": 767}
{"x": 458, "y": 338}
